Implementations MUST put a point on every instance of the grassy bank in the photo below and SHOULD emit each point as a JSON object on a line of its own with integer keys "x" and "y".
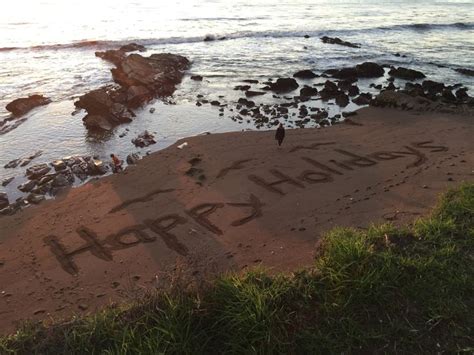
{"x": 385, "y": 289}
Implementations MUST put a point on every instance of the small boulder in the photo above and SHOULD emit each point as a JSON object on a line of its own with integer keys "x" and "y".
{"x": 308, "y": 92}
{"x": 432, "y": 87}
{"x": 35, "y": 198}
{"x": 133, "y": 158}
{"x": 405, "y": 73}
{"x": 342, "y": 100}
{"x": 305, "y": 74}
{"x": 362, "y": 99}
{"x": 369, "y": 70}
{"x": 21, "y": 106}
{"x": 37, "y": 171}
{"x": 144, "y": 140}
{"x": 59, "y": 165}
{"x": 251, "y": 93}
{"x": 196, "y": 77}
{"x": 284, "y": 85}
{"x": 461, "y": 94}
{"x": 7, "y": 181}
{"x": 27, "y": 186}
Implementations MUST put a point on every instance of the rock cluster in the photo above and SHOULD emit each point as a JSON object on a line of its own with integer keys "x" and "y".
{"x": 427, "y": 96}
{"x": 144, "y": 139}
{"x": 140, "y": 79}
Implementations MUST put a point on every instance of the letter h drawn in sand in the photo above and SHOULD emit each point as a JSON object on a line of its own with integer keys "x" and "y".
{"x": 66, "y": 258}
{"x": 270, "y": 186}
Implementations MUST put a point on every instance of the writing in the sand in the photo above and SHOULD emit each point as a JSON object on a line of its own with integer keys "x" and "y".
{"x": 275, "y": 181}
{"x": 326, "y": 171}
{"x": 148, "y": 232}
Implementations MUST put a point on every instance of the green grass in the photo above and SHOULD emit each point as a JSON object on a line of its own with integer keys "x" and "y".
{"x": 385, "y": 290}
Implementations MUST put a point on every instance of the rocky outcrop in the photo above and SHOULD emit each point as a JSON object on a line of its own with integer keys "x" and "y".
{"x": 305, "y": 74}
{"x": 284, "y": 85}
{"x": 140, "y": 79}
{"x": 405, "y": 73}
{"x": 336, "y": 40}
{"x": 21, "y": 106}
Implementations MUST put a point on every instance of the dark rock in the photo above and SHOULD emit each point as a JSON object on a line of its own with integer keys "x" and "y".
{"x": 35, "y": 198}
{"x": 305, "y": 74}
{"x": 59, "y": 165}
{"x": 245, "y": 102}
{"x": 250, "y": 93}
{"x": 215, "y": 103}
{"x": 62, "y": 180}
{"x": 306, "y": 36}
{"x": 133, "y": 158}
{"x": 390, "y": 86}
{"x": 353, "y": 90}
{"x": 344, "y": 73}
{"x": 3, "y": 200}
{"x": 308, "y": 91}
{"x": 369, "y": 70}
{"x": 37, "y": 171}
{"x": 432, "y": 87}
{"x": 465, "y": 71}
{"x": 196, "y": 77}
{"x": 27, "y": 186}
{"x": 338, "y": 41}
{"x": 144, "y": 140}
{"x": 329, "y": 91}
{"x": 461, "y": 94}
{"x": 414, "y": 89}
{"x": 405, "y": 73}
{"x": 132, "y": 47}
{"x": 250, "y": 81}
{"x": 7, "y": 181}
{"x": 448, "y": 95}
{"x": 342, "y": 100}
{"x": 21, "y": 106}
{"x": 242, "y": 87}
{"x": 362, "y": 99}
{"x": 209, "y": 38}
{"x": 349, "y": 114}
{"x": 320, "y": 115}
{"x": 284, "y": 85}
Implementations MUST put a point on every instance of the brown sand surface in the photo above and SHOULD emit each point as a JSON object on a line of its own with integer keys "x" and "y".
{"x": 225, "y": 202}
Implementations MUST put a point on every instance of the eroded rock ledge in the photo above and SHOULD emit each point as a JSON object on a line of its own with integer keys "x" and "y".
{"x": 139, "y": 80}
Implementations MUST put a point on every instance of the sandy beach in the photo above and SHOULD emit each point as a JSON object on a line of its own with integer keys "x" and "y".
{"x": 225, "y": 202}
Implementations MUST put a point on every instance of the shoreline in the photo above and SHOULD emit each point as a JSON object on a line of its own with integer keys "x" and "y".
{"x": 214, "y": 206}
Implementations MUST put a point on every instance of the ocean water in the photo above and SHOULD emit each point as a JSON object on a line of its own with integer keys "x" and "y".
{"x": 47, "y": 47}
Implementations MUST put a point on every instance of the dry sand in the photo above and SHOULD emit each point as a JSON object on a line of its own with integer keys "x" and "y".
{"x": 217, "y": 204}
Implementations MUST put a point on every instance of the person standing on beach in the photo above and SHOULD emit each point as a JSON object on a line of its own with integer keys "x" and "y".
{"x": 280, "y": 134}
{"x": 117, "y": 164}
